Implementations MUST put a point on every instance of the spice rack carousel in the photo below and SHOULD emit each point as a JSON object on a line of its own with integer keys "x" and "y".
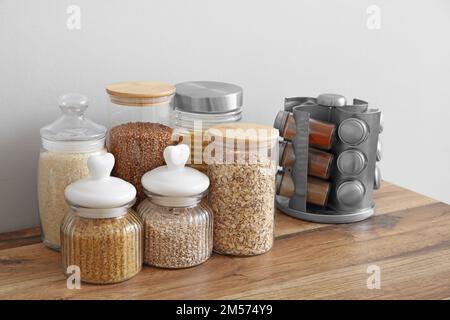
{"x": 353, "y": 173}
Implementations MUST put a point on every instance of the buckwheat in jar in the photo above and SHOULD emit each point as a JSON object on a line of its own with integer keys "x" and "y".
{"x": 242, "y": 168}
{"x": 139, "y": 119}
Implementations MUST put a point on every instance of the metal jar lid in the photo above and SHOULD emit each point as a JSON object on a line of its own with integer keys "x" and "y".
{"x": 350, "y": 192}
{"x": 331, "y": 100}
{"x": 353, "y": 131}
{"x": 351, "y": 162}
{"x": 207, "y": 97}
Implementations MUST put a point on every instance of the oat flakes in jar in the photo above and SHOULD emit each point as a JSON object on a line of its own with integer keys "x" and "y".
{"x": 178, "y": 223}
{"x": 139, "y": 128}
{"x": 242, "y": 169}
{"x": 102, "y": 235}
{"x": 66, "y": 144}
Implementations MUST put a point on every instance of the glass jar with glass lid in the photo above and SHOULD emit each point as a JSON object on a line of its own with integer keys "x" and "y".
{"x": 102, "y": 235}
{"x": 178, "y": 224}
{"x": 242, "y": 169}
{"x": 66, "y": 144}
{"x": 198, "y": 105}
{"x": 139, "y": 128}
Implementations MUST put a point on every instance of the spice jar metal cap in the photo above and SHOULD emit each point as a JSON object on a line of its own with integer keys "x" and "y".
{"x": 331, "y": 100}
{"x": 207, "y": 97}
{"x": 72, "y": 131}
{"x": 175, "y": 179}
{"x": 100, "y": 190}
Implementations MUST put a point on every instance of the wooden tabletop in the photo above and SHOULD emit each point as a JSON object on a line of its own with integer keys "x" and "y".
{"x": 408, "y": 239}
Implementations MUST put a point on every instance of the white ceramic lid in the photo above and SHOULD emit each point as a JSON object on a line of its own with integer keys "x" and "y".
{"x": 100, "y": 190}
{"x": 175, "y": 179}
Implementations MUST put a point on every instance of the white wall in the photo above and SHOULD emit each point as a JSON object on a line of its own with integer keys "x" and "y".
{"x": 273, "y": 49}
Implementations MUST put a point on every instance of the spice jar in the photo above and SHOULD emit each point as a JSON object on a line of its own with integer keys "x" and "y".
{"x": 139, "y": 116}
{"x": 199, "y": 105}
{"x": 242, "y": 167}
{"x": 178, "y": 225}
{"x": 321, "y": 134}
{"x": 66, "y": 144}
{"x": 102, "y": 235}
{"x": 319, "y": 162}
{"x": 317, "y": 190}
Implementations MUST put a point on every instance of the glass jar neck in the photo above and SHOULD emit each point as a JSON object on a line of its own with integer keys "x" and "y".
{"x": 73, "y": 146}
{"x": 101, "y": 213}
{"x": 203, "y": 121}
{"x": 175, "y": 202}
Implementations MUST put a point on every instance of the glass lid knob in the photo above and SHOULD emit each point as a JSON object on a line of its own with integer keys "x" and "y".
{"x": 73, "y": 103}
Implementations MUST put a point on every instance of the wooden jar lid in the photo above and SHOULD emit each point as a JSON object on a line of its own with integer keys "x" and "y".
{"x": 140, "y": 93}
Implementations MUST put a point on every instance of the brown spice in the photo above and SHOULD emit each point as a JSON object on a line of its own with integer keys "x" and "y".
{"x": 242, "y": 199}
{"x": 106, "y": 250}
{"x": 138, "y": 147}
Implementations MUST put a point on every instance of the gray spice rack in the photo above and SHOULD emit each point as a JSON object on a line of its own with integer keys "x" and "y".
{"x": 351, "y": 194}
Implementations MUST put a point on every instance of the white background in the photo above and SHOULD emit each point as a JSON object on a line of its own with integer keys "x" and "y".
{"x": 273, "y": 49}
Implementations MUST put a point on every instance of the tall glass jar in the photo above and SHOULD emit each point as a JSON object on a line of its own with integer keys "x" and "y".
{"x": 199, "y": 105}
{"x": 66, "y": 144}
{"x": 178, "y": 224}
{"x": 139, "y": 128}
{"x": 102, "y": 235}
{"x": 242, "y": 169}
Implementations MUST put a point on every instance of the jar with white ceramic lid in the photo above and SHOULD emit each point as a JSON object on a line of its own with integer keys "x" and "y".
{"x": 102, "y": 235}
{"x": 199, "y": 105}
{"x": 66, "y": 144}
{"x": 178, "y": 223}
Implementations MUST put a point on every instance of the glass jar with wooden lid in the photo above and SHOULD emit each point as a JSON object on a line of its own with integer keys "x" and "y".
{"x": 139, "y": 128}
{"x": 242, "y": 165}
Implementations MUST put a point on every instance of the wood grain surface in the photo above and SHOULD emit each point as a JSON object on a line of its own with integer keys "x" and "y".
{"x": 408, "y": 239}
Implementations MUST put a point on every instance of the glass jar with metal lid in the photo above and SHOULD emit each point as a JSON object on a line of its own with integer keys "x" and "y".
{"x": 178, "y": 224}
{"x": 102, "y": 235}
{"x": 66, "y": 144}
{"x": 139, "y": 120}
{"x": 199, "y": 105}
{"x": 242, "y": 168}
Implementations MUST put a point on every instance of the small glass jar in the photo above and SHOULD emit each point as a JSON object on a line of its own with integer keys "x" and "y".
{"x": 199, "y": 105}
{"x": 139, "y": 128}
{"x": 102, "y": 235}
{"x": 319, "y": 161}
{"x": 321, "y": 134}
{"x": 242, "y": 168}
{"x": 318, "y": 190}
{"x": 178, "y": 224}
{"x": 66, "y": 144}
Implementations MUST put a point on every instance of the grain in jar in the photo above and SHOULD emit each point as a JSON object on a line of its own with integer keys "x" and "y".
{"x": 242, "y": 168}
{"x": 178, "y": 223}
{"x": 66, "y": 144}
{"x": 139, "y": 120}
{"x": 102, "y": 235}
